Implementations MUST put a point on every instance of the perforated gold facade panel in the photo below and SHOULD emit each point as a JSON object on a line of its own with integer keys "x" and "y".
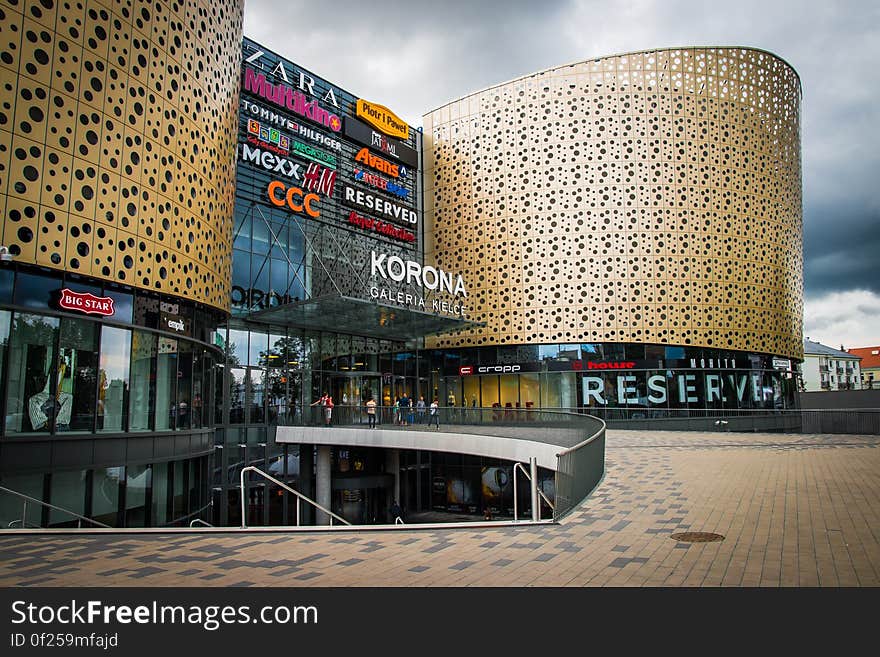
{"x": 653, "y": 197}
{"x": 117, "y": 139}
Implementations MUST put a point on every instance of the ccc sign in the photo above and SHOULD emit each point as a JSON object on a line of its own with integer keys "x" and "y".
{"x": 293, "y": 197}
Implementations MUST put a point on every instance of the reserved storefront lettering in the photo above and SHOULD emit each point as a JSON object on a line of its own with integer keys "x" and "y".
{"x": 639, "y": 389}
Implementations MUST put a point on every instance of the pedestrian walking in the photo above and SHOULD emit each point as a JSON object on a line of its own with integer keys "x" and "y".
{"x": 371, "y": 412}
{"x": 434, "y": 413}
{"x": 420, "y": 409}
{"x": 326, "y": 403}
{"x": 405, "y": 406}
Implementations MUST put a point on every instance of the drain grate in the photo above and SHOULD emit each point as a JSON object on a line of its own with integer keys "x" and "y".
{"x": 697, "y": 537}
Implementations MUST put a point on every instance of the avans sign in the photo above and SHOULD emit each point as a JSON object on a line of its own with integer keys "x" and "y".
{"x": 381, "y": 118}
{"x": 384, "y": 166}
{"x": 294, "y": 101}
{"x": 86, "y": 303}
{"x": 413, "y": 273}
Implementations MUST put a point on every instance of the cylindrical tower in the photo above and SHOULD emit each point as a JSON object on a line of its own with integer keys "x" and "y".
{"x": 117, "y": 144}
{"x": 117, "y": 140}
{"x": 652, "y": 197}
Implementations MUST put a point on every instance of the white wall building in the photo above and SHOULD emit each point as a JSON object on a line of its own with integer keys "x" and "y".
{"x": 826, "y": 368}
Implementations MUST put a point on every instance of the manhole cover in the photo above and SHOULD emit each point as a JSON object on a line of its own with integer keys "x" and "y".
{"x": 697, "y": 537}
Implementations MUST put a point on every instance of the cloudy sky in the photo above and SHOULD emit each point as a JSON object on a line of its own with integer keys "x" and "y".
{"x": 378, "y": 50}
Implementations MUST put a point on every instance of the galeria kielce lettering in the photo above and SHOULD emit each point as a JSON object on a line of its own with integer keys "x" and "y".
{"x": 288, "y": 98}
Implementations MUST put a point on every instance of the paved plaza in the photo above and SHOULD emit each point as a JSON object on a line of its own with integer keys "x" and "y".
{"x": 794, "y": 510}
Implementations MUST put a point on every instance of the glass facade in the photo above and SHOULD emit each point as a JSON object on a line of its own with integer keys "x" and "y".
{"x": 118, "y": 389}
{"x": 72, "y": 373}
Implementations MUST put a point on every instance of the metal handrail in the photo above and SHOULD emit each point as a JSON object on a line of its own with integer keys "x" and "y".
{"x": 299, "y": 497}
{"x": 28, "y": 498}
{"x": 535, "y": 488}
{"x": 201, "y": 522}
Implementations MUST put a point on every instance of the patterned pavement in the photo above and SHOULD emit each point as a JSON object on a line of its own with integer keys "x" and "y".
{"x": 795, "y": 510}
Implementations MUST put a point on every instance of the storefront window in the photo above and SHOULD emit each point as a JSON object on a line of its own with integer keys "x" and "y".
{"x": 77, "y": 375}
{"x": 236, "y": 395}
{"x": 105, "y": 495}
{"x": 5, "y": 323}
{"x": 159, "y": 506}
{"x": 510, "y": 390}
{"x": 113, "y": 379}
{"x": 529, "y": 391}
{"x": 11, "y": 507}
{"x": 143, "y": 381}
{"x": 184, "y": 384}
{"x": 32, "y": 394}
{"x": 255, "y": 395}
{"x": 166, "y": 384}
{"x": 471, "y": 390}
{"x": 137, "y": 486}
{"x": 489, "y": 390}
{"x": 35, "y": 290}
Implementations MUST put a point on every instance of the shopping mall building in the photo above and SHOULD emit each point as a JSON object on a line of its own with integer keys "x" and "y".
{"x": 201, "y": 237}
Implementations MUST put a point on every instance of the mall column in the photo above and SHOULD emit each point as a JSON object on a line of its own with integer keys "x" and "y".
{"x": 306, "y": 469}
{"x": 322, "y": 485}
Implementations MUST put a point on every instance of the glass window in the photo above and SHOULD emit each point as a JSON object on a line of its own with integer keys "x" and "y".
{"x": 7, "y": 277}
{"x": 259, "y": 348}
{"x": 34, "y": 290}
{"x": 179, "y": 491}
{"x": 471, "y": 391}
{"x": 137, "y": 486}
{"x": 198, "y": 385}
{"x": 68, "y": 491}
{"x": 77, "y": 375}
{"x": 105, "y": 495}
{"x": 529, "y": 391}
{"x": 256, "y": 395}
{"x": 166, "y": 384}
{"x": 113, "y": 379}
{"x": 32, "y": 394}
{"x": 5, "y": 323}
{"x": 236, "y": 395}
{"x": 237, "y": 347}
{"x": 143, "y": 377}
{"x": 510, "y": 390}
{"x": 184, "y": 384}
{"x": 489, "y": 390}
{"x": 159, "y": 506}
{"x": 11, "y": 507}
{"x": 123, "y": 306}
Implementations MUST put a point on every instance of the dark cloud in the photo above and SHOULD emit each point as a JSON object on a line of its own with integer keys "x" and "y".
{"x": 415, "y": 56}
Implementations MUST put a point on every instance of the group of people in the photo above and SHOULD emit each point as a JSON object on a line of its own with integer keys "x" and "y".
{"x": 403, "y": 410}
